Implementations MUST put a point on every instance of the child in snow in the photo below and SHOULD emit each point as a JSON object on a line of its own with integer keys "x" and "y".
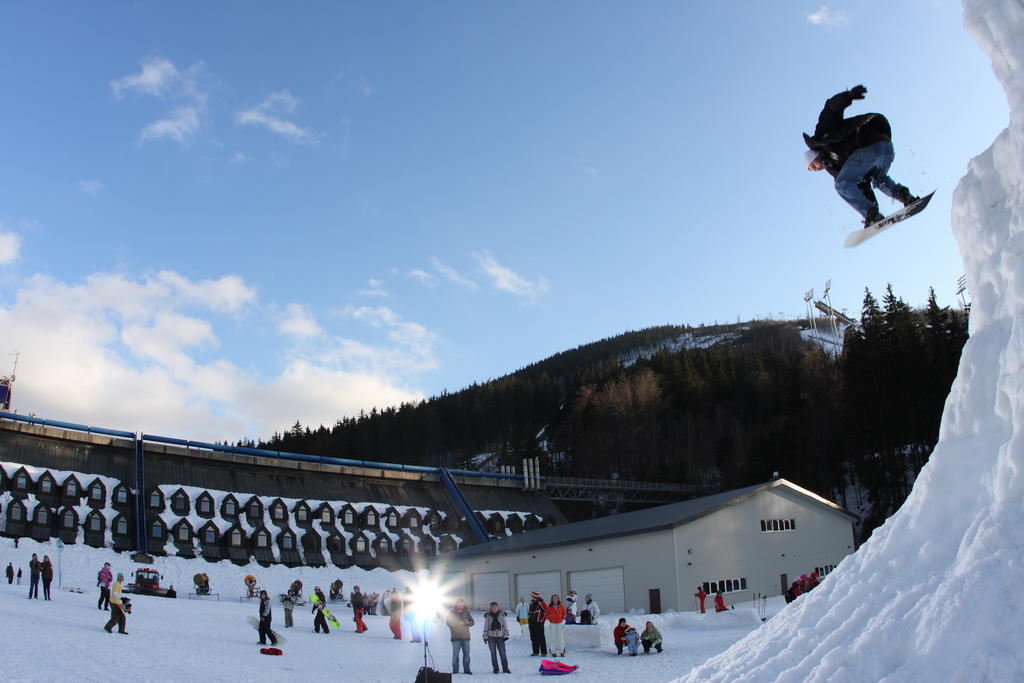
{"x": 522, "y": 613}
{"x": 103, "y": 579}
{"x": 701, "y": 595}
{"x": 495, "y": 635}
{"x": 625, "y": 636}
{"x": 570, "y": 608}
{"x": 651, "y": 637}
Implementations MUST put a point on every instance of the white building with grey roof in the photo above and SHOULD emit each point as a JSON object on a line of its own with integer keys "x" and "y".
{"x": 754, "y": 540}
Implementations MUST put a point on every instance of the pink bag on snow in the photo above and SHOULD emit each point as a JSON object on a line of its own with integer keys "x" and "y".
{"x": 550, "y": 668}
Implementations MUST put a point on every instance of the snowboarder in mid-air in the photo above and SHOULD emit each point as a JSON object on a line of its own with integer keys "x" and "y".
{"x": 857, "y": 152}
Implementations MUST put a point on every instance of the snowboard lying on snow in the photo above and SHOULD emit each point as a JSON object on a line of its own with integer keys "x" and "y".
{"x": 549, "y": 668}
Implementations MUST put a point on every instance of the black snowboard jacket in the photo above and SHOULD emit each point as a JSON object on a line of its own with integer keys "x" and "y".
{"x": 836, "y": 137}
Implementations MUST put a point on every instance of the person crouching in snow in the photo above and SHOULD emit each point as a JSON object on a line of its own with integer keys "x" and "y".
{"x": 459, "y": 620}
{"x": 720, "y": 602}
{"x": 626, "y": 636}
{"x": 651, "y": 637}
{"x": 554, "y": 615}
{"x": 495, "y": 635}
{"x": 117, "y": 617}
{"x": 265, "y": 616}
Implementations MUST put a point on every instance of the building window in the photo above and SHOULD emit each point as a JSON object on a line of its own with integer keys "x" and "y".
{"x": 120, "y": 495}
{"x": 236, "y": 538}
{"x": 157, "y": 530}
{"x": 96, "y": 493}
{"x": 155, "y": 499}
{"x": 405, "y": 546}
{"x": 204, "y": 506}
{"x": 371, "y": 518}
{"x": 121, "y": 527}
{"x": 772, "y": 525}
{"x": 253, "y": 512}
{"x": 725, "y": 585}
{"x": 825, "y": 571}
{"x": 42, "y": 516}
{"x": 68, "y": 520}
{"x": 360, "y": 545}
{"x": 384, "y": 546}
{"x": 262, "y": 539}
{"x": 16, "y": 512}
{"x": 45, "y": 485}
{"x": 349, "y": 518}
{"x": 21, "y": 481}
{"x": 392, "y": 519}
{"x": 72, "y": 488}
{"x": 288, "y": 542}
{"x": 427, "y": 547}
{"x": 301, "y": 514}
{"x": 277, "y": 512}
{"x": 209, "y": 536}
{"x": 95, "y": 523}
{"x": 414, "y": 522}
{"x": 230, "y": 508}
{"x": 325, "y": 516}
{"x": 183, "y": 534}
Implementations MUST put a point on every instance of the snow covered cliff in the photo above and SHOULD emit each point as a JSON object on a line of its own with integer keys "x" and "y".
{"x": 936, "y": 593}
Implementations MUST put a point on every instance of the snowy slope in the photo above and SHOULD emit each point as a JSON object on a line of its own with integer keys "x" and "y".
{"x": 936, "y": 592}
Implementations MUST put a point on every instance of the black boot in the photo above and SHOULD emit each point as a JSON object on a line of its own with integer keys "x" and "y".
{"x": 904, "y": 197}
{"x": 872, "y": 216}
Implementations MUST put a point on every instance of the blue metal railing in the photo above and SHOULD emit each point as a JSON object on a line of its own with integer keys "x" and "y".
{"x": 462, "y": 505}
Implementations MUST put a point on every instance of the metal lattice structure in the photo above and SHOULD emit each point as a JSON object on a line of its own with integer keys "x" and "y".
{"x": 618, "y": 491}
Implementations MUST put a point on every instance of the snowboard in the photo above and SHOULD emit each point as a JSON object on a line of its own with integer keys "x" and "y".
{"x": 255, "y": 623}
{"x": 331, "y": 619}
{"x": 903, "y": 214}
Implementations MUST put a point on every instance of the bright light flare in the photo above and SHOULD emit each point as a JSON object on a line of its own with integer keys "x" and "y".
{"x": 430, "y": 597}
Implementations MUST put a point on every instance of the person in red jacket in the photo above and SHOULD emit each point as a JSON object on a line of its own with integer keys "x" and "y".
{"x": 720, "y": 602}
{"x": 554, "y": 615}
{"x": 700, "y": 596}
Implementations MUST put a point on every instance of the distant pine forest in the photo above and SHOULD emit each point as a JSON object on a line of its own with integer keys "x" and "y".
{"x": 719, "y": 406}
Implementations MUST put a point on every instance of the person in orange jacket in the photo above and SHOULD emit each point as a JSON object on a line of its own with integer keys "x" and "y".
{"x": 720, "y": 602}
{"x": 554, "y": 616}
{"x": 700, "y": 596}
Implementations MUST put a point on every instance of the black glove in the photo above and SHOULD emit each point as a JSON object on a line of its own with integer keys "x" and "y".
{"x": 857, "y": 92}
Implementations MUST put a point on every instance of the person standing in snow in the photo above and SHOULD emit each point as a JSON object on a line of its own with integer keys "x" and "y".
{"x": 535, "y": 620}
{"x": 720, "y": 602}
{"x": 320, "y": 621}
{"x": 117, "y": 616}
{"x": 34, "y": 569}
{"x": 554, "y": 616}
{"x": 266, "y": 616}
{"x": 103, "y": 579}
{"x": 459, "y": 620}
{"x": 495, "y": 635}
{"x": 522, "y": 614}
{"x": 651, "y": 637}
{"x": 857, "y": 152}
{"x": 10, "y": 573}
{"x": 19, "y": 576}
{"x": 46, "y": 573}
{"x": 358, "y": 609}
{"x": 288, "y": 602}
{"x": 410, "y": 615}
{"x": 701, "y": 595}
{"x": 395, "y": 608}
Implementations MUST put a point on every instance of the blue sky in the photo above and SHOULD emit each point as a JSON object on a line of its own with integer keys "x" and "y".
{"x": 218, "y": 218}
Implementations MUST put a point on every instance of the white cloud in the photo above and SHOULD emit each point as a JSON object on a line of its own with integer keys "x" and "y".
{"x": 588, "y": 168}
{"x": 180, "y": 126}
{"x": 239, "y": 158}
{"x": 453, "y": 275}
{"x": 507, "y": 280}
{"x": 299, "y": 322}
{"x": 90, "y": 186}
{"x": 10, "y": 246}
{"x": 422, "y": 277}
{"x": 144, "y": 354}
{"x": 156, "y": 78}
{"x": 160, "y": 78}
{"x": 375, "y": 287}
{"x": 269, "y": 112}
{"x": 828, "y": 18}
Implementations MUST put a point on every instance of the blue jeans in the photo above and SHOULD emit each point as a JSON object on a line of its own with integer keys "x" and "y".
{"x": 456, "y": 646}
{"x": 871, "y": 165}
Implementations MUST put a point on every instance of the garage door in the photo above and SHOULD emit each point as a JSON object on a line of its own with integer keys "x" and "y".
{"x": 545, "y": 583}
{"x": 493, "y": 586}
{"x": 606, "y": 585}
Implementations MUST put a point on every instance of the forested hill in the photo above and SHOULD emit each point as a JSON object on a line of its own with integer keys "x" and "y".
{"x": 722, "y": 406}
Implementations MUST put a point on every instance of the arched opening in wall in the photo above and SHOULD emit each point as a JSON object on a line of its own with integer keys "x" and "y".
{"x": 180, "y": 504}
{"x": 229, "y": 507}
{"x": 122, "y": 496}
{"x": 69, "y": 519}
{"x": 348, "y": 517}
{"x": 326, "y": 515}
{"x": 301, "y": 513}
{"x": 72, "y": 489}
{"x": 156, "y": 499}
{"x": 47, "y": 485}
{"x": 204, "y": 505}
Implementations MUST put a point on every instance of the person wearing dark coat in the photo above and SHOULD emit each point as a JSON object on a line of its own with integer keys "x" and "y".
{"x": 535, "y": 620}
{"x": 10, "y": 573}
{"x": 35, "y": 568}
{"x": 320, "y": 621}
{"x": 857, "y": 152}
{"x": 265, "y": 618}
{"x": 358, "y": 609}
{"x": 459, "y": 620}
{"x": 46, "y": 572}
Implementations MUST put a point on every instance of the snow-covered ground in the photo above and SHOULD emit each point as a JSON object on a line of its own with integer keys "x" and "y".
{"x": 188, "y": 640}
